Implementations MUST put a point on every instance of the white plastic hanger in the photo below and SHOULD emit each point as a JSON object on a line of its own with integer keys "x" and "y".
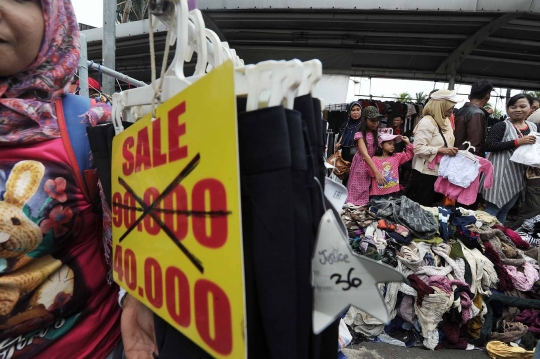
{"x": 135, "y": 103}
{"x": 468, "y": 154}
{"x": 312, "y": 75}
{"x": 218, "y": 52}
{"x": 202, "y": 53}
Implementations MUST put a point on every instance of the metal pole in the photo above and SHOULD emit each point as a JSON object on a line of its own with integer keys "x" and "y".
{"x": 115, "y": 74}
{"x": 451, "y": 83}
{"x": 109, "y": 43}
{"x": 83, "y": 69}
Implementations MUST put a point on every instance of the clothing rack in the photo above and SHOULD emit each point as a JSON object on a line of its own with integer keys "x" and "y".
{"x": 85, "y": 64}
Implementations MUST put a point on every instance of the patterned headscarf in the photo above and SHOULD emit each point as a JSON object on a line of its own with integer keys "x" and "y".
{"x": 350, "y": 127}
{"x": 27, "y": 112}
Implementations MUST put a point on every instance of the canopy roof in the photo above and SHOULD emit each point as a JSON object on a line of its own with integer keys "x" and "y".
{"x": 468, "y": 39}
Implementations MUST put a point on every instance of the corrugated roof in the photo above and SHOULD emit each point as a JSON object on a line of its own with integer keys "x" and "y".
{"x": 499, "y": 46}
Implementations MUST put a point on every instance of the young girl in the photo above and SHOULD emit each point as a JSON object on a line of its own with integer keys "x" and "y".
{"x": 388, "y": 162}
{"x": 56, "y": 301}
{"x": 366, "y": 141}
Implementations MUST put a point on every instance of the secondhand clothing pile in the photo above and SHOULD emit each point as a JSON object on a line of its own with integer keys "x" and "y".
{"x": 470, "y": 282}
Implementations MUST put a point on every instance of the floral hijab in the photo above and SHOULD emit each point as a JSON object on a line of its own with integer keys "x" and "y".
{"x": 27, "y": 112}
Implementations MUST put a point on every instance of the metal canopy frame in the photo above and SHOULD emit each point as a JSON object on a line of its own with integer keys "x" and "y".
{"x": 480, "y": 41}
{"x": 454, "y": 61}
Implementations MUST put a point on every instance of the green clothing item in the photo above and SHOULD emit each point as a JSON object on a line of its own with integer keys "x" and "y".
{"x": 434, "y": 240}
{"x": 457, "y": 251}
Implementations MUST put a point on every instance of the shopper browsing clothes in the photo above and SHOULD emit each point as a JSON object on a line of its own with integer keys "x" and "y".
{"x": 366, "y": 142}
{"x": 503, "y": 138}
{"x": 388, "y": 163}
{"x": 432, "y": 136}
{"x": 346, "y": 135}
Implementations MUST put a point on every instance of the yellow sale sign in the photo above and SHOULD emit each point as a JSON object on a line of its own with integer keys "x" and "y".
{"x": 177, "y": 236}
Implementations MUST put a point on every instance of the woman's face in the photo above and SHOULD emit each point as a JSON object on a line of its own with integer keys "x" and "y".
{"x": 449, "y": 112}
{"x": 21, "y": 31}
{"x": 372, "y": 123}
{"x": 520, "y": 110}
{"x": 356, "y": 112}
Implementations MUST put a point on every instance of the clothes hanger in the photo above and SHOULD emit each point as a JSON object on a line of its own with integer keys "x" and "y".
{"x": 312, "y": 75}
{"x": 218, "y": 52}
{"x": 133, "y": 104}
{"x": 468, "y": 154}
{"x": 195, "y": 16}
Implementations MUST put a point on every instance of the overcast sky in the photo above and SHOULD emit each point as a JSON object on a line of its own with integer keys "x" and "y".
{"x": 90, "y": 12}
{"x": 360, "y": 87}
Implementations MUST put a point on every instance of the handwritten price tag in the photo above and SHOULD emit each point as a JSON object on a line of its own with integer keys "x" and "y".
{"x": 177, "y": 237}
{"x": 342, "y": 278}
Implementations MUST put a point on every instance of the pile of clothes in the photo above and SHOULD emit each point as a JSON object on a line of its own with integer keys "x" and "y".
{"x": 471, "y": 281}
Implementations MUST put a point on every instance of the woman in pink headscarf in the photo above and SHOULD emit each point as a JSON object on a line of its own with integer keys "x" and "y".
{"x": 55, "y": 298}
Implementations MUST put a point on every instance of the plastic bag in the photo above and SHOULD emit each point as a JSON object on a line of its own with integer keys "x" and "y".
{"x": 528, "y": 154}
{"x": 345, "y": 336}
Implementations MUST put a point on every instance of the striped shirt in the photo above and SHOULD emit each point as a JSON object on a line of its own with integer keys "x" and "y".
{"x": 509, "y": 176}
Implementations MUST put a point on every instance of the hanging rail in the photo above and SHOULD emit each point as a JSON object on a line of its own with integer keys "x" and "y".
{"x": 115, "y": 74}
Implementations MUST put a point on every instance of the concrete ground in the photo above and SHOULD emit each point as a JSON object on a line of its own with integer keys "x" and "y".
{"x": 387, "y": 351}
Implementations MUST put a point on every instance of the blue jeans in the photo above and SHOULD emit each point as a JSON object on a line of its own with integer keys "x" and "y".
{"x": 385, "y": 196}
{"x": 537, "y": 351}
{"x": 501, "y": 213}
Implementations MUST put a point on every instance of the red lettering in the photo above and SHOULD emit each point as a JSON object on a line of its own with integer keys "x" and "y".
{"x": 178, "y": 296}
{"x": 130, "y": 269}
{"x": 117, "y": 209}
{"x": 128, "y": 166}
{"x": 143, "y": 155}
{"x": 218, "y": 206}
{"x": 153, "y": 282}
{"x": 158, "y": 158}
{"x": 174, "y": 202}
{"x": 150, "y": 225}
{"x": 222, "y": 341}
{"x": 130, "y": 211}
{"x": 117, "y": 263}
{"x": 177, "y": 130}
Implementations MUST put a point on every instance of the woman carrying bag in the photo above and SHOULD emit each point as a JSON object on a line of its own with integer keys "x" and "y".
{"x": 346, "y": 136}
{"x": 503, "y": 139}
{"x": 432, "y": 136}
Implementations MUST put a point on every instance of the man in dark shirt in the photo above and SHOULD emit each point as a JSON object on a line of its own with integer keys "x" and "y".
{"x": 471, "y": 119}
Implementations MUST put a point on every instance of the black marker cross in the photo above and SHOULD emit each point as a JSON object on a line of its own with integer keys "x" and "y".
{"x": 152, "y": 209}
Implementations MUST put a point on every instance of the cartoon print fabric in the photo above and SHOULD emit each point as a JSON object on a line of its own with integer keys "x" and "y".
{"x": 52, "y": 268}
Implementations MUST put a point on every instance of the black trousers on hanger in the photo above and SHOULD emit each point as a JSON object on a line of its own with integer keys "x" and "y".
{"x": 302, "y": 229}
{"x": 281, "y": 209}
{"x": 322, "y": 346}
{"x": 269, "y": 235}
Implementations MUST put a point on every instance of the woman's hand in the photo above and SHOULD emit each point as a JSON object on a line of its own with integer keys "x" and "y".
{"x": 448, "y": 151}
{"x": 138, "y": 332}
{"x": 337, "y": 146}
{"x": 406, "y": 140}
{"x": 527, "y": 140}
{"x": 380, "y": 178}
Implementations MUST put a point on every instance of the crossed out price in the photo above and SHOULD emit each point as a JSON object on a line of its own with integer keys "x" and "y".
{"x": 171, "y": 287}
{"x": 174, "y": 213}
